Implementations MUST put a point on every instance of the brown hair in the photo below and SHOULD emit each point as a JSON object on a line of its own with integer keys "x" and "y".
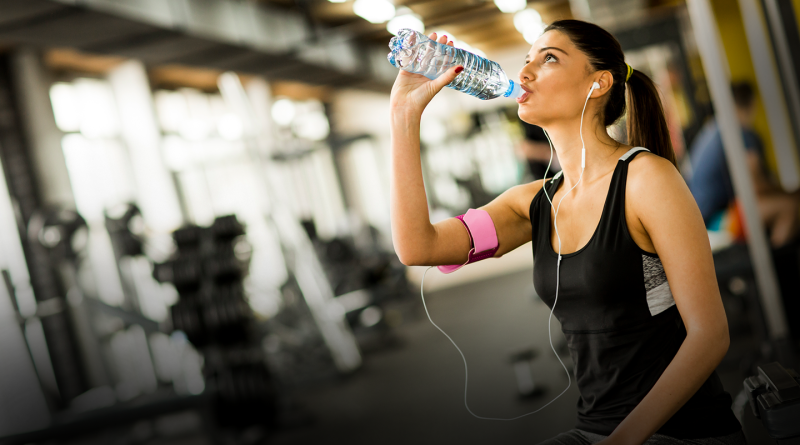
{"x": 647, "y": 126}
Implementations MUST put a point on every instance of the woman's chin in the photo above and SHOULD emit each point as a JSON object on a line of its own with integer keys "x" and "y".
{"x": 525, "y": 114}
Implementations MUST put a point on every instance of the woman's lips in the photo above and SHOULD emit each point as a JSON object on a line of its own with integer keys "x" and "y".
{"x": 524, "y": 95}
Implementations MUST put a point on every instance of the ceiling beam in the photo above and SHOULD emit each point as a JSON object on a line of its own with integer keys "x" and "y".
{"x": 218, "y": 34}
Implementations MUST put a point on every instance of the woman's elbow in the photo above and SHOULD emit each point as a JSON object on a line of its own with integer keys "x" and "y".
{"x": 721, "y": 342}
{"x": 407, "y": 257}
{"x": 406, "y": 260}
{"x": 401, "y": 255}
{"x": 716, "y": 341}
{"x": 723, "y": 333}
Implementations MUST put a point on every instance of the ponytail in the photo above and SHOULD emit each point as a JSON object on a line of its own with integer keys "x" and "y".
{"x": 647, "y": 126}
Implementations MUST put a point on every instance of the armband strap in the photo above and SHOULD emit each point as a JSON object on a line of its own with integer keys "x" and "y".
{"x": 482, "y": 238}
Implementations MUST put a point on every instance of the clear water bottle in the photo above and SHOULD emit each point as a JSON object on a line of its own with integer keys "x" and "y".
{"x": 412, "y": 51}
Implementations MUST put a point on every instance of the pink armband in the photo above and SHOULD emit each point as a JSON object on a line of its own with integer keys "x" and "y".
{"x": 482, "y": 237}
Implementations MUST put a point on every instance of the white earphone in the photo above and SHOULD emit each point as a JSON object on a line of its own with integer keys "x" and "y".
{"x": 595, "y": 86}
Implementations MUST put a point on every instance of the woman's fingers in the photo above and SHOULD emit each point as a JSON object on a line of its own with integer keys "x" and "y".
{"x": 443, "y": 39}
{"x": 446, "y": 78}
{"x": 416, "y": 87}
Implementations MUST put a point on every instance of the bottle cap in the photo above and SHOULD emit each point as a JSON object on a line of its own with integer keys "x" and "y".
{"x": 514, "y": 90}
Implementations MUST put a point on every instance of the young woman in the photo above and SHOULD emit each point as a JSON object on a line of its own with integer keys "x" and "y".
{"x": 638, "y": 299}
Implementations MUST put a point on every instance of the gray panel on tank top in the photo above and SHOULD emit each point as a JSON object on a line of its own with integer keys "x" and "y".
{"x": 659, "y": 295}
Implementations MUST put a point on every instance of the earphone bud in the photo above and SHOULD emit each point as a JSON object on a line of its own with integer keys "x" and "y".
{"x": 595, "y": 86}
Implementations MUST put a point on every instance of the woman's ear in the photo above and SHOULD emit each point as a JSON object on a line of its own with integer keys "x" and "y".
{"x": 606, "y": 81}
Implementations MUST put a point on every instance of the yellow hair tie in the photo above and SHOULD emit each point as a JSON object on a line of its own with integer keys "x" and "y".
{"x": 630, "y": 71}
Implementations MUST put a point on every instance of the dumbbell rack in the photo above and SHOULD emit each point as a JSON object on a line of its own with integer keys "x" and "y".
{"x": 213, "y": 313}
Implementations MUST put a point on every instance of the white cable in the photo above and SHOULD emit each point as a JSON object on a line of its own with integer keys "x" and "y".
{"x": 466, "y": 373}
{"x": 558, "y": 268}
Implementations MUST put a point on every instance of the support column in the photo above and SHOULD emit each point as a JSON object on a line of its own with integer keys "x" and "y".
{"x": 715, "y": 65}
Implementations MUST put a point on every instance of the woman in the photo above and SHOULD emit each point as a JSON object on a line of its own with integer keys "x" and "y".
{"x": 645, "y": 349}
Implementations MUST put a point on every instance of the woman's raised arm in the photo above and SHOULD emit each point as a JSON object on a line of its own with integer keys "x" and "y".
{"x": 416, "y": 240}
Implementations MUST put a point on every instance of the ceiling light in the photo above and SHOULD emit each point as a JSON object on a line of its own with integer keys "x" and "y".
{"x": 526, "y": 18}
{"x": 283, "y": 112}
{"x": 313, "y": 126}
{"x": 533, "y": 32}
{"x": 510, "y": 5}
{"x": 374, "y": 11}
{"x": 405, "y": 18}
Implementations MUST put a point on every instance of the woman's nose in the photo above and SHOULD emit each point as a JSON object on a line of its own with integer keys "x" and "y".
{"x": 526, "y": 74}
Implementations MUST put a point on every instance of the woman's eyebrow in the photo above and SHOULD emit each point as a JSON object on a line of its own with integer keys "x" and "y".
{"x": 527, "y": 56}
{"x": 552, "y": 47}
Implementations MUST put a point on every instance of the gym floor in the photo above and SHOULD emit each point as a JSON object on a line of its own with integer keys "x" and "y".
{"x": 414, "y": 393}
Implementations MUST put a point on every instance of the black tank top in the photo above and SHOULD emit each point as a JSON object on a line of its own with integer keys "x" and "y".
{"x": 620, "y": 320}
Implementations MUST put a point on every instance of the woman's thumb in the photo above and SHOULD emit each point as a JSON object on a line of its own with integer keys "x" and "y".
{"x": 447, "y": 77}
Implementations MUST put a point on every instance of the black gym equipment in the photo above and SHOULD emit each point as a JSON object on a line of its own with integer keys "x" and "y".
{"x": 774, "y": 396}
{"x": 207, "y": 271}
{"x": 367, "y": 281}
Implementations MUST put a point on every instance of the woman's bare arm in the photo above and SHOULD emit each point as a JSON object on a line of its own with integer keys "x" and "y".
{"x": 416, "y": 240}
{"x": 450, "y": 242}
{"x": 662, "y": 202}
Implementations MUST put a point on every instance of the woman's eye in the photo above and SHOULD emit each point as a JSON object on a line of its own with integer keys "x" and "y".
{"x": 549, "y": 57}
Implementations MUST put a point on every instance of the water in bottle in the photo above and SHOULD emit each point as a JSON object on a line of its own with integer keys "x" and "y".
{"x": 412, "y": 51}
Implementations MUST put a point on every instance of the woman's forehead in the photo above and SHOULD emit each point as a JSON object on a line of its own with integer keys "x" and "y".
{"x": 552, "y": 39}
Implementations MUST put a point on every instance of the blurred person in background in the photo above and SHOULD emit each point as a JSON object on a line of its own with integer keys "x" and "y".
{"x": 536, "y": 151}
{"x": 645, "y": 349}
{"x": 711, "y": 185}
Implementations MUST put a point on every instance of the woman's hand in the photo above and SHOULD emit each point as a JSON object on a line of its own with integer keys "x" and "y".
{"x": 411, "y": 92}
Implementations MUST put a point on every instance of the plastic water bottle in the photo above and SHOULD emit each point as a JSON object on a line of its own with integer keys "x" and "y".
{"x": 412, "y": 51}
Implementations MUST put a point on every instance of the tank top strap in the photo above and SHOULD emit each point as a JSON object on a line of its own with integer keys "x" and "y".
{"x": 631, "y": 153}
{"x": 613, "y": 231}
{"x": 553, "y": 183}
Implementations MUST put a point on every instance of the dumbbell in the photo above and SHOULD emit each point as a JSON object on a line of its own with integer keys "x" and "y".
{"x": 186, "y": 318}
{"x": 187, "y": 237}
{"x": 226, "y": 227}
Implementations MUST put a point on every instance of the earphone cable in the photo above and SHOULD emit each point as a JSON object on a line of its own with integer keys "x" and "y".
{"x": 558, "y": 270}
{"x": 466, "y": 372}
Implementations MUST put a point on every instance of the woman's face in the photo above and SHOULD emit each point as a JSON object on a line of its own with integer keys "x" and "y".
{"x": 557, "y": 80}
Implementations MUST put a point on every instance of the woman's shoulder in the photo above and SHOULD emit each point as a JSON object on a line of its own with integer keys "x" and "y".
{"x": 654, "y": 181}
{"x": 648, "y": 170}
{"x": 534, "y": 189}
{"x": 524, "y": 195}
{"x": 655, "y": 189}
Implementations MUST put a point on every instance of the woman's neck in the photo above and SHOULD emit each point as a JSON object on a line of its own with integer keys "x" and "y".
{"x": 601, "y": 150}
